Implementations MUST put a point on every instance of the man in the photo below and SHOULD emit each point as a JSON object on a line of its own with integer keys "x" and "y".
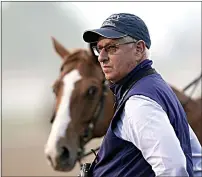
{"x": 149, "y": 133}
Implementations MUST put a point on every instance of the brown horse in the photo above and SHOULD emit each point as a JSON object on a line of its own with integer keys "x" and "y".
{"x": 84, "y": 108}
{"x": 193, "y": 111}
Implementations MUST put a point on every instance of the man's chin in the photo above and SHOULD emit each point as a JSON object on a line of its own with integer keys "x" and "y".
{"x": 108, "y": 77}
{"x": 110, "y": 80}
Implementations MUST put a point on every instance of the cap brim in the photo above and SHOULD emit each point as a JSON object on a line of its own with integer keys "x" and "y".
{"x": 93, "y": 35}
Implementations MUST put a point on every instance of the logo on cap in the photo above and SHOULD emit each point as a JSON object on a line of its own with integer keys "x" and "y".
{"x": 110, "y": 21}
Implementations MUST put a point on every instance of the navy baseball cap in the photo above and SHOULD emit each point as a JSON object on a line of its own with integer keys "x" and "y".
{"x": 120, "y": 25}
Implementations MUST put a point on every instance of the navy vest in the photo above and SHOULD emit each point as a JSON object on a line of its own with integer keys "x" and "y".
{"x": 120, "y": 158}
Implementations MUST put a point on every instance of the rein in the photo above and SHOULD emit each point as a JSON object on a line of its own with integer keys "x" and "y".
{"x": 99, "y": 113}
{"x": 195, "y": 82}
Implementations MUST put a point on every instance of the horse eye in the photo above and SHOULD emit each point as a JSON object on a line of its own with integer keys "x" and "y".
{"x": 92, "y": 91}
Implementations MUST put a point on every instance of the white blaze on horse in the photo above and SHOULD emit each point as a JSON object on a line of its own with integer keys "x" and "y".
{"x": 84, "y": 108}
{"x": 57, "y": 148}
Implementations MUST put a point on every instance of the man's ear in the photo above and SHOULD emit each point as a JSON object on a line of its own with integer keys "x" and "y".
{"x": 139, "y": 51}
{"x": 94, "y": 57}
{"x": 140, "y": 46}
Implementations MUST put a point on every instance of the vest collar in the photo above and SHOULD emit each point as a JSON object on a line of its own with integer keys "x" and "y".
{"x": 120, "y": 87}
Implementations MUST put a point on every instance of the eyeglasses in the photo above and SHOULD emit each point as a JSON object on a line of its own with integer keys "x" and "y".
{"x": 110, "y": 49}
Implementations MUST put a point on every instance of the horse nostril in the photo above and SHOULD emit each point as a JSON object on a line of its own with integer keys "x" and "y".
{"x": 50, "y": 160}
{"x": 65, "y": 153}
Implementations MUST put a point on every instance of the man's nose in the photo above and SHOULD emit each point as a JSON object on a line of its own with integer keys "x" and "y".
{"x": 103, "y": 56}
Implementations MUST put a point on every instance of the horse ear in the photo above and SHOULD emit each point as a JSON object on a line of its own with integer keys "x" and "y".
{"x": 60, "y": 49}
{"x": 94, "y": 57}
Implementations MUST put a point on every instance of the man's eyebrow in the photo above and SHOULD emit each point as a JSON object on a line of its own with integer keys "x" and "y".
{"x": 107, "y": 44}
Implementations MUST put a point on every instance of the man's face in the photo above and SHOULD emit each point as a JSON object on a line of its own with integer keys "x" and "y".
{"x": 117, "y": 61}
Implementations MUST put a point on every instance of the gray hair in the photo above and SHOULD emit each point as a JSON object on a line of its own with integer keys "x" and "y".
{"x": 129, "y": 39}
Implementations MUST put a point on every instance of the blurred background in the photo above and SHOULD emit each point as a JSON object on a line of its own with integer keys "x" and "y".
{"x": 30, "y": 65}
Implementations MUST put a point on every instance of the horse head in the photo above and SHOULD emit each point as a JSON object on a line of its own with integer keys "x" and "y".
{"x": 82, "y": 101}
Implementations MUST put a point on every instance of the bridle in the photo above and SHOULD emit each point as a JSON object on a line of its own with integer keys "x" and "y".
{"x": 88, "y": 135}
{"x": 195, "y": 82}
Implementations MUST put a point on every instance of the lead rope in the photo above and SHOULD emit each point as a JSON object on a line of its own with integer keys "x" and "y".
{"x": 195, "y": 82}
{"x": 94, "y": 152}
